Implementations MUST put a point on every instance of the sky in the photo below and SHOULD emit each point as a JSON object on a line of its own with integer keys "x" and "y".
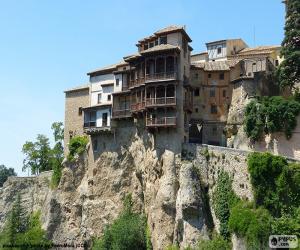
{"x": 48, "y": 46}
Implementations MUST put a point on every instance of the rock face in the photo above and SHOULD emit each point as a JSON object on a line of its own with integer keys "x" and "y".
{"x": 172, "y": 192}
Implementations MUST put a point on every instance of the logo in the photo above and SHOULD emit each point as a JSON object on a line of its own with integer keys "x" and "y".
{"x": 283, "y": 241}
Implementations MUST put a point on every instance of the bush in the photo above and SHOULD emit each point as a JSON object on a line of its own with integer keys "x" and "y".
{"x": 128, "y": 231}
{"x": 217, "y": 243}
{"x": 77, "y": 146}
{"x": 269, "y": 115}
{"x": 224, "y": 199}
{"x": 252, "y": 224}
{"x": 276, "y": 183}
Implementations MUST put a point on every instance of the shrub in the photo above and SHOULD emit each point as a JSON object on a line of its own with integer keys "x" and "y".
{"x": 271, "y": 114}
{"x": 77, "y": 146}
{"x": 217, "y": 243}
{"x": 128, "y": 231}
{"x": 224, "y": 199}
{"x": 252, "y": 224}
{"x": 276, "y": 183}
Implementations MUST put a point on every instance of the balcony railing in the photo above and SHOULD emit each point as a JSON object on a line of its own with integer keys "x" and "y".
{"x": 153, "y": 77}
{"x": 160, "y": 101}
{"x": 139, "y": 106}
{"x": 161, "y": 122}
{"x": 121, "y": 113}
{"x": 89, "y": 124}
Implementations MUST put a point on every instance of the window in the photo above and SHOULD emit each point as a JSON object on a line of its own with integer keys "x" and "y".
{"x": 209, "y": 75}
{"x": 145, "y": 46}
{"x": 212, "y": 93}
{"x": 276, "y": 63}
{"x": 99, "y": 98}
{"x": 156, "y": 42}
{"x": 108, "y": 97}
{"x": 196, "y": 110}
{"x": 221, "y": 76}
{"x": 124, "y": 68}
{"x": 224, "y": 92}
{"x": 80, "y": 111}
{"x": 117, "y": 82}
{"x": 214, "y": 130}
{"x": 219, "y": 50}
{"x": 163, "y": 40}
{"x": 213, "y": 109}
{"x": 197, "y": 92}
{"x": 151, "y": 44}
{"x": 95, "y": 145}
{"x": 196, "y": 76}
{"x": 104, "y": 119}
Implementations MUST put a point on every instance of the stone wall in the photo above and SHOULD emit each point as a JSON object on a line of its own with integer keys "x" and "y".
{"x": 74, "y": 119}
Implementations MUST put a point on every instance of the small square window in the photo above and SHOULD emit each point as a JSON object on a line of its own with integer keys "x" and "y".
{"x": 219, "y": 50}
{"x": 196, "y": 110}
{"x": 108, "y": 97}
{"x": 209, "y": 75}
{"x": 163, "y": 40}
{"x": 197, "y": 92}
{"x": 213, "y": 109}
{"x": 221, "y": 76}
{"x": 196, "y": 76}
{"x": 117, "y": 82}
{"x": 151, "y": 44}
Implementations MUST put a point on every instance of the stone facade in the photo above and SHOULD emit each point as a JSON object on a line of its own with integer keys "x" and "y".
{"x": 75, "y": 101}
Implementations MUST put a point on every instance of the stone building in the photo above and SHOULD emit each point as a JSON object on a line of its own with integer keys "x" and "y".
{"x": 175, "y": 96}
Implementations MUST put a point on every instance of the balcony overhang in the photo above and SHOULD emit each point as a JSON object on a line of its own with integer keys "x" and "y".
{"x": 97, "y": 130}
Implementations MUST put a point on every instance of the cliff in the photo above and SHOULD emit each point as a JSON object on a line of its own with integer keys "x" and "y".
{"x": 172, "y": 189}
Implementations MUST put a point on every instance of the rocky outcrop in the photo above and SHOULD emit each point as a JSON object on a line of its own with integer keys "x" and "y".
{"x": 171, "y": 191}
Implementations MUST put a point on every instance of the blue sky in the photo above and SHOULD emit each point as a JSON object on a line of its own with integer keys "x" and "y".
{"x": 48, "y": 46}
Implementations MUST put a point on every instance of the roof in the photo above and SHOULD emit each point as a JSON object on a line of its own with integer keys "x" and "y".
{"x": 78, "y": 88}
{"x": 161, "y": 47}
{"x": 224, "y": 40}
{"x": 167, "y": 30}
{"x": 200, "y": 53}
{"x": 259, "y": 50}
{"x": 107, "y": 69}
{"x": 215, "y": 66}
{"x": 131, "y": 57}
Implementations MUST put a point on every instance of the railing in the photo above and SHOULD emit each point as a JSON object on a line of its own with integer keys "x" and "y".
{"x": 90, "y": 124}
{"x": 153, "y": 77}
{"x": 121, "y": 113}
{"x": 161, "y": 76}
{"x": 160, "y": 101}
{"x": 161, "y": 122}
{"x": 137, "y": 106}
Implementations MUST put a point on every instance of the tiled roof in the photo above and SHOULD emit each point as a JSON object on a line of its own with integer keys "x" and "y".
{"x": 215, "y": 66}
{"x": 161, "y": 47}
{"x": 85, "y": 86}
{"x": 130, "y": 57}
{"x": 107, "y": 68}
{"x": 258, "y": 50}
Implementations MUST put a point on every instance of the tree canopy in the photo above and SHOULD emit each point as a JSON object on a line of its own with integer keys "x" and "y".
{"x": 5, "y": 173}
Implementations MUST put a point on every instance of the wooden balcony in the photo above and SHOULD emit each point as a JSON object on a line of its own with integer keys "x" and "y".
{"x": 161, "y": 101}
{"x": 161, "y": 122}
{"x": 164, "y": 76}
{"x": 122, "y": 113}
{"x": 136, "y": 107}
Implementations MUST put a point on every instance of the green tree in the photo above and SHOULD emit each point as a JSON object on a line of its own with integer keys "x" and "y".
{"x": 126, "y": 232}
{"x": 37, "y": 155}
{"x": 5, "y": 173}
{"x": 289, "y": 70}
{"x": 216, "y": 243}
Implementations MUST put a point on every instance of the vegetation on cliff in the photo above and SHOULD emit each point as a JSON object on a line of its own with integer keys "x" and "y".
{"x": 77, "y": 146}
{"x": 128, "y": 231}
{"x": 22, "y": 232}
{"x": 289, "y": 70}
{"x": 40, "y": 156}
{"x": 5, "y": 173}
{"x": 268, "y": 115}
